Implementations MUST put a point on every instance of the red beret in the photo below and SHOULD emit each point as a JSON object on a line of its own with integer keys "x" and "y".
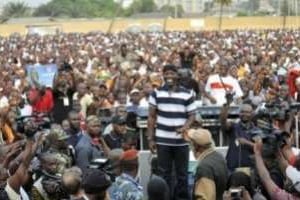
{"x": 131, "y": 154}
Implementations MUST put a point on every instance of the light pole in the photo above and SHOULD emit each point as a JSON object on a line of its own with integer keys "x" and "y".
{"x": 176, "y": 9}
{"x": 296, "y": 11}
{"x": 166, "y": 18}
{"x": 278, "y": 7}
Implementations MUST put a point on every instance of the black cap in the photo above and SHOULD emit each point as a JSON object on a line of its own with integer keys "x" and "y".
{"x": 102, "y": 85}
{"x": 117, "y": 119}
{"x": 95, "y": 181}
{"x": 170, "y": 68}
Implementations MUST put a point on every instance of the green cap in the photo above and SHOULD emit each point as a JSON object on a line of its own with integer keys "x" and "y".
{"x": 60, "y": 133}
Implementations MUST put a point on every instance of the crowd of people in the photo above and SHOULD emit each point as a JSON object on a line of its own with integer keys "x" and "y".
{"x": 78, "y": 138}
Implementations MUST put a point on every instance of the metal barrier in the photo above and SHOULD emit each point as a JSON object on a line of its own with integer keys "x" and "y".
{"x": 210, "y": 120}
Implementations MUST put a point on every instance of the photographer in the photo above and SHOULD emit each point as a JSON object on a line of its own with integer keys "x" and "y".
{"x": 239, "y": 187}
{"x": 273, "y": 190}
{"x": 240, "y": 138}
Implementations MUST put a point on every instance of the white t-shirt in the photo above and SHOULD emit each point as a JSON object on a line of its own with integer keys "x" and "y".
{"x": 4, "y": 102}
{"x": 216, "y": 88}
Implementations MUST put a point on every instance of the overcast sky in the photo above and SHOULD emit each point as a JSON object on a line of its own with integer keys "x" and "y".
{"x": 31, "y": 3}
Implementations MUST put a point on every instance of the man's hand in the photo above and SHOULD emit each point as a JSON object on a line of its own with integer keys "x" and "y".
{"x": 212, "y": 100}
{"x": 181, "y": 130}
{"x": 152, "y": 146}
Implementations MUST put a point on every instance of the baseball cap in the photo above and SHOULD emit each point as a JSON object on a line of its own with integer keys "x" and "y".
{"x": 199, "y": 136}
{"x": 117, "y": 119}
{"x": 294, "y": 175}
{"x": 95, "y": 181}
{"x": 134, "y": 91}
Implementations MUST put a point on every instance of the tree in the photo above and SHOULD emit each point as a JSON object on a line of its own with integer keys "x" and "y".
{"x": 141, "y": 6}
{"x": 175, "y": 11}
{"x": 16, "y": 10}
{"x": 49, "y": 10}
{"x": 285, "y": 12}
{"x": 77, "y": 8}
{"x": 254, "y": 5}
{"x": 222, "y": 3}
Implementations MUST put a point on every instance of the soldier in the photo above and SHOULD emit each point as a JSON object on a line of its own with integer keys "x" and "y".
{"x": 56, "y": 143}
{"x": 48, "y": 186}
{"x": 126, "y": 187}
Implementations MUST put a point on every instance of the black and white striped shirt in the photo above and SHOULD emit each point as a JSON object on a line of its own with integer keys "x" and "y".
{"x": 173, "y": 109}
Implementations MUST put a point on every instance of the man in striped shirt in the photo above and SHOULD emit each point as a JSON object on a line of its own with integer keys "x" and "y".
{"x": 171, "y": 113}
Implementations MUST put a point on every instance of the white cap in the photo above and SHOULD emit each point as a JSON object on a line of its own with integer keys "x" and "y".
{"x": 134, "y": 91}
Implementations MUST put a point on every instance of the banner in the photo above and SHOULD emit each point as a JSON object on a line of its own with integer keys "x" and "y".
{"x": 42, "y": 74}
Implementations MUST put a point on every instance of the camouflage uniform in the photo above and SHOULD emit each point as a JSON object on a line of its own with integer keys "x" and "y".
{"x": 125, "y": 188}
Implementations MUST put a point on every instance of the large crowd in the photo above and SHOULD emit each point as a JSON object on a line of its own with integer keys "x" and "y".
{"x": 79, "y": 139}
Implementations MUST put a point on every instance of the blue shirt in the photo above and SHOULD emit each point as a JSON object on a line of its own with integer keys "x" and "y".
{"x": 86, "y": 151}
{"x": 125, "y": 188}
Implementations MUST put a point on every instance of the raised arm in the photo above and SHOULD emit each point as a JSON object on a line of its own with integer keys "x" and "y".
{"x": 151, "y": 128}
{"x": 19, "y": 178}
{"x": 225, "y": 125}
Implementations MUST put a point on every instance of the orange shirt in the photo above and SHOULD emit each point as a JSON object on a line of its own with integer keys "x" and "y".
{"x": 8, "y": 133}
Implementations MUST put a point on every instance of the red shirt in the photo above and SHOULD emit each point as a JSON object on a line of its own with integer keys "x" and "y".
{"x": 43, "y": 103}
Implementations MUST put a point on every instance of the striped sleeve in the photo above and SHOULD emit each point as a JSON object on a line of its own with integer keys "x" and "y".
{"x": 152, "y": 99}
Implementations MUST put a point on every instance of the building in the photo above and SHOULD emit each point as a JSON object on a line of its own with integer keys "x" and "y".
{"x": 126, "y": 3}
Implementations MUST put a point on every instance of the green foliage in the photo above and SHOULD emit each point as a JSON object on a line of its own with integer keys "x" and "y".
{"x": 77, "y": 8}
{"x": 261, "y": 13}
{"x": 16, "y": 10}
{"x": 241, "y": 14}
{"x": 141, "y": 6}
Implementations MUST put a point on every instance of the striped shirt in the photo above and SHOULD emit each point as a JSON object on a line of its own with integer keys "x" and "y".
{"x": 173, "y": 109}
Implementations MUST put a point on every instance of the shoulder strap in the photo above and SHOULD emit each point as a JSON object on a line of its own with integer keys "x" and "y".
{"x": 223, "y": 84}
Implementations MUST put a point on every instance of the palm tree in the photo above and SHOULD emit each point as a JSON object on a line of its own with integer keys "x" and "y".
{"x": 117, "y": 10}
{"x": 222, "y": 3}
{"x": 285, "y": 12}
{"x": 15, "y": 9}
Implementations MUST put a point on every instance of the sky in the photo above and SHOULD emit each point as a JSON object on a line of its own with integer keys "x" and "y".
{"x": 30, "y": 3}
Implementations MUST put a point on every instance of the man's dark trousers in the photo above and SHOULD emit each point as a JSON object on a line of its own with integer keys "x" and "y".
{"x": 179, "y": 155}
